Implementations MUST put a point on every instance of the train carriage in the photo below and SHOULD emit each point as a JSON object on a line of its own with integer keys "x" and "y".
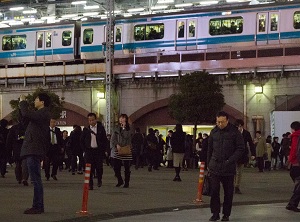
{"x": 37, "y": 43}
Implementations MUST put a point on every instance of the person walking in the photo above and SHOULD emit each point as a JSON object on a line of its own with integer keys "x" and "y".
{"x": 53, "y": 155}
{"x": 137, "y": 145}
{"x": 225, "y": 147}
{"x": 76, "y": 150}
{"x": 261, "y": 150}
{"x": 36, "y": 145}
{"x": 294, "y": 160}
{"x": 94, "y": 142}
{"x": 121, "y": 137}
{"x": 14, "y": 143}
{"x": 178, "y": 149}
{"x": 3, "y": 149}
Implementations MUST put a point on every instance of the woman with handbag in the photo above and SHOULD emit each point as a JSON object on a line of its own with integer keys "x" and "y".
{"x": 121, "y": 143}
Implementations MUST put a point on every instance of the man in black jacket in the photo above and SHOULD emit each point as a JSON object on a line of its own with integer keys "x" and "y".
{"x": 239, "y": 123}
{"x": 94, "y": 142}
{"x": 55, "y": 148}
{"x": 225, "y": 148}
{"x": 36, "y": 145}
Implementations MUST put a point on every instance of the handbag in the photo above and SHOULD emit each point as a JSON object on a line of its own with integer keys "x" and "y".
{"x": 124, "y": 150}
{"x": 206, "y": 190}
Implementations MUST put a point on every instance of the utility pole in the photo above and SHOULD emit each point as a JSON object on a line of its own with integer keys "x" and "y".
{"x": 110, "y": 24}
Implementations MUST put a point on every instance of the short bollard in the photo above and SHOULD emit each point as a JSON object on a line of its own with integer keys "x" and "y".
{"x": 200, "y": 183}
{"x": 85, "y": 196}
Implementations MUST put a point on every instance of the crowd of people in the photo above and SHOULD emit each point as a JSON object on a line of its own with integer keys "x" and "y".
{"x": 36, "y": 143}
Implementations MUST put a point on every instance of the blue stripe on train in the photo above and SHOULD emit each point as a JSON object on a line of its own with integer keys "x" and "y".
{"x": 27, "y": 53}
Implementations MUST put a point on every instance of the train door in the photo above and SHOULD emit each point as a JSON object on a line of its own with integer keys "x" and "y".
{"x": 44, "y": 46}
{"x": 267, "y": 29}
{"x": 186, "y": 34}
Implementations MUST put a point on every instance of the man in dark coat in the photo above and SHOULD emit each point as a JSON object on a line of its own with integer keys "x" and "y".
{"x": 94, "y": 142}
{"x": 225, "y": 147}
{"x": 55, "y": 149}
{"x": 239, "y": 123}
{"x": 36, "y": 145}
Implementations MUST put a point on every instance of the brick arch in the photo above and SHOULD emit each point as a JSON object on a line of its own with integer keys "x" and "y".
{"x": 159, "y": 107}
{"x": 81, "y": 111}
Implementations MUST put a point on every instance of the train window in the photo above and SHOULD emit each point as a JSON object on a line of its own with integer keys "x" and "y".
{"x": 192, "y": 28}
{"x": 66, "y": 38}
{"x": 118, "y": 34}
{"x": 148, "y": 32}
{"x": 226, "y": 26}
{"x": 274, "y": 22}
{"x": 180, "y": 29}
{"x": 48, "y": 39}
{"x": 14, "y": 42}
{"x": 262, "y": 23}
{"x": 40, "y": 40}
{"x": 88, "y": 36}
{"x": 297, "y": 20}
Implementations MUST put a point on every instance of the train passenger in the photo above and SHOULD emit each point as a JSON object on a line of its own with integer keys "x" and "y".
{"x": 181, "y": 30}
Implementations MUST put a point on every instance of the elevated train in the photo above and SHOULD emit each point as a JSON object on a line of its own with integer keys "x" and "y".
{"x": 269, "y": 24}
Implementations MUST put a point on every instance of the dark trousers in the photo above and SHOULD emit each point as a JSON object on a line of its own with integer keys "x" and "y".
{"x": 260, "y": 163}
{"x": 52, "y": 157}
{"x": 95, "y": 158}
{"x": 295, "y": 175}
{"x": 74, "y": 162}
{"x": 117, "y": 169}
{"x": 21, "y": 170}
{"x": 3, "y": 162}
{"x": 228, "y": 186}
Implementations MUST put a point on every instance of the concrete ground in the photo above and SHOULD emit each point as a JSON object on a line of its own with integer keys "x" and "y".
{"x": 152, "y": 196}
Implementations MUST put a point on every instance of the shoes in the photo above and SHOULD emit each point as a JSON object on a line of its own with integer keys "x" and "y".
{"x": 25, "y": 183}
{"x": 214, "y": 217}
{"x": 100, "y": 184}
{"x": 79, "y": 172}
{"x": 237, "y": 190}
{"x": 73, "y": 173}
{"x": 225, "y": 218}
{"x": 33, "y": 211}
{"x": 149, "y": 169}
{"x": 19, "y": 181}
{"x": 177, "y": 179}
{"x": 47, "y": 178}
{"x": 119, "y": 184}
{"x": 91, "y": 188}
{"x": 292, "y": 208}
{"x": 54, "y": 177}
{"x": 126, "y": 185}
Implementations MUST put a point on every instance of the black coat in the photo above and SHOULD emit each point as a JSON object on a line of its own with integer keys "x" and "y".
{"x": 247, "y": 140}
{"x": 178, "y": 142}
{"x": 85, "y": 139}
{"x": 14, "y": 141}
{"x": 225, "y": 147}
